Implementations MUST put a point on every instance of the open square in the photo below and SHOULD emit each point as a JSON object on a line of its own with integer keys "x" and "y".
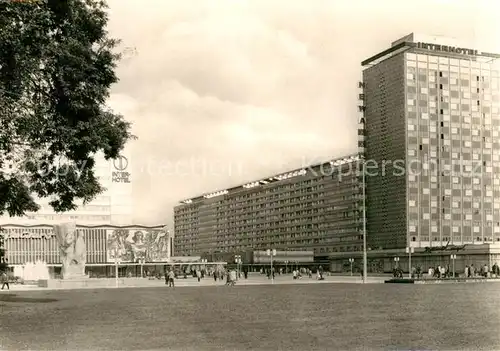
{"x": 264, "y": 317}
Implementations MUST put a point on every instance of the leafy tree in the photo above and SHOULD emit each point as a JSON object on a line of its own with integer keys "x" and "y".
{"x": 57, "y": 64}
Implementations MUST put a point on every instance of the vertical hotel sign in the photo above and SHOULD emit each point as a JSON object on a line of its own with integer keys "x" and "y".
{"x": 446, "y": 48}
{"x": 120, "y": 172}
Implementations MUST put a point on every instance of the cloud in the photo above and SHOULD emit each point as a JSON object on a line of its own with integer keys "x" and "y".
{"x": 222, "y": 92}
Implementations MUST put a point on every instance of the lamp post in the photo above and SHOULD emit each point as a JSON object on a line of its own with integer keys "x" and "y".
{"x": 453, "y": 258}
{"x": 237, "y": 260}
{"x": 396, "y": 259}
{"x": 203, "y": 266}
{"x": 271, "y": 252}
{"x": 351, "y": 261}
{"x": 141, "y": 262}
{"x": 116, "y": 266}
{"x": 409, "y": 251}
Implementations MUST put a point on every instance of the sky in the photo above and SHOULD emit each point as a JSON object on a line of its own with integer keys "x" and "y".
{"x": 224, "y": 92}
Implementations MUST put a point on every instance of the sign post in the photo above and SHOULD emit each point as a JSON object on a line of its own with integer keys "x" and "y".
{"x": 120, "y": 175}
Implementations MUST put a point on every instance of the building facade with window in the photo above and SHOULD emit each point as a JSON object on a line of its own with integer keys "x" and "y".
{"x": 316, "y": 208}
{"x": 431, "y": 125}
{"x": 128, "y": 245}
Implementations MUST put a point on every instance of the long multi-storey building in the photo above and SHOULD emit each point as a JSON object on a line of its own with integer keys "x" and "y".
{"x": 313, "y": 208}
{"x": 432, "y": 122}
{"x": 431, "y": 159}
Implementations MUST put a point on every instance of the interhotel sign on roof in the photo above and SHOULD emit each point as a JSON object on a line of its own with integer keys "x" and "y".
{"x": 446, "y": 48}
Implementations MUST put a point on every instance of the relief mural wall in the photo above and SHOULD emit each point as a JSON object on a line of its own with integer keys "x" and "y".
{"x": 132, "y": 245}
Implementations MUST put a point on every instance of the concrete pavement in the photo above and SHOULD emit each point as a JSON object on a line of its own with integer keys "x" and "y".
{"x": 255, "y": 279}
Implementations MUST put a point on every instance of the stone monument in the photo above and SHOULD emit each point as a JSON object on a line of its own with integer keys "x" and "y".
{"x": 72, "y": 249}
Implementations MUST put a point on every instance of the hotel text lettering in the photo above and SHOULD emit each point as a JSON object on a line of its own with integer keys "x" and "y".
{"x": 120, "y": 177}
{"x": 447, "y": 48}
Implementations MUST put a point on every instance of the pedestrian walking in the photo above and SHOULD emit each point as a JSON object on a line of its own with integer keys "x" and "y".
{"x": 5, "y": 280}
{"x": 171, "y": 277}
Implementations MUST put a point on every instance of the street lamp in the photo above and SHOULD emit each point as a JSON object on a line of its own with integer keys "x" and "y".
{"x": 351, "y": 260}
{"x": 409, "y": 251}
{"x": 396, "y": 259}
{"x": 203, "y": 267}
{"x": 453, "y": 258}
{"x": 116, "y": 266}
{"x": 237, "y": 260}
{"x": 271, "y": 252}
{"x": 141, "y": 262}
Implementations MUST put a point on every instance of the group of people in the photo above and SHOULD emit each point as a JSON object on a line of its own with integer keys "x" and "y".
{"x": 482, "y": 271}
{"x": 218, "y": 274}
{"x": 470, "y": 271}
{"x": 440, "y": 272}
{"x": 297, "y": 273}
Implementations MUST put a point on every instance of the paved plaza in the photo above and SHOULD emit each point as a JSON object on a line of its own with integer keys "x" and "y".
{"x": 254, "y": 317}
{"x": 253, "y": 279}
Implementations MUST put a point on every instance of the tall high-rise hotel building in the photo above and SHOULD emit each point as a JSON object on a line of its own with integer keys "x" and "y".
{"x": 431, "y": 143}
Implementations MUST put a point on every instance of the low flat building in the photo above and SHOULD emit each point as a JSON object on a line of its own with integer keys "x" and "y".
{"x": 127, "y": 246}
{"x": 316, "y": 208}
